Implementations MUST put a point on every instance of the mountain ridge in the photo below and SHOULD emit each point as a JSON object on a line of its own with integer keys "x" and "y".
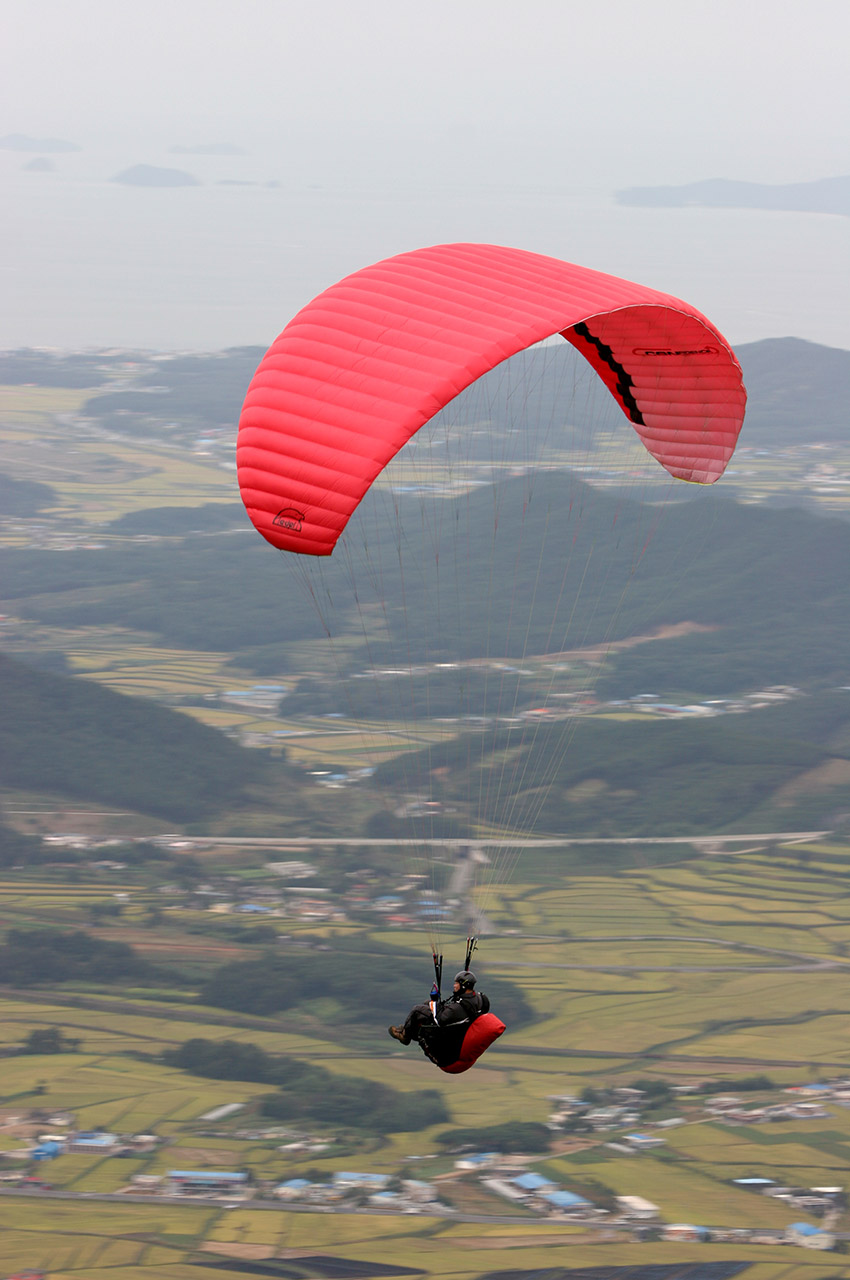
{"x": 823, "y": 195}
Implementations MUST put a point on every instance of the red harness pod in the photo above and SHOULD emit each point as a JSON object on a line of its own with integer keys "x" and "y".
{"x": 481, "y": 1034}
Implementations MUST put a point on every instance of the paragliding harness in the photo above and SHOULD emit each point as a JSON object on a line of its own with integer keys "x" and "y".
{"x": 479, "y": 1034}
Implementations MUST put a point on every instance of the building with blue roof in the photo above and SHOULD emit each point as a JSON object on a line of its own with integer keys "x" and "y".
{"x": 47, "y": 1150}
{"x": 566, "y": 1200}
{"x": 533, "y": 1182}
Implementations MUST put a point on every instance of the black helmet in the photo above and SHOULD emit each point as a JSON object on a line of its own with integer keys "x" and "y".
{"x": 466, "y": 979}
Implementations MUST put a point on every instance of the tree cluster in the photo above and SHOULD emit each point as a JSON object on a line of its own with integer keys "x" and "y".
{"x": 49, "y": 1040}
{"x": 743, "y": 1084}
{"x": 212, "y": 517}
{"x": 21, "y": 850}
{"x": 29, "y": 957}
{"x": 517, "y": 1136}
{"x": 310, "y": 1092}
{"x": 366, "y": 988}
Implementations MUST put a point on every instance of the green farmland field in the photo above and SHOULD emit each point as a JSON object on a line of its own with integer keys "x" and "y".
{"x": 654, "y": 972}
{"x": 140, "y": 1242}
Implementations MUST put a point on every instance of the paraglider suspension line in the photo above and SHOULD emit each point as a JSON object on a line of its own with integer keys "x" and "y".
{"x": 438, "y": 975}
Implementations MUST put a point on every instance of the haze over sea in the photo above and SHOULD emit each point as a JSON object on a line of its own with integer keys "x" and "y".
{"x": 97, "y": 263}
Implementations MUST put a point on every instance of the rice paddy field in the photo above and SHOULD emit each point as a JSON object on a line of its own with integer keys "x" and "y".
{"x": 108, "y": 1241}
{"x": 96, "y": 479}
{"x": 652, "y": 973}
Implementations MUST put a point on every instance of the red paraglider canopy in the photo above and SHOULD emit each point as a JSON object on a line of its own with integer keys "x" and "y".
{"x": 369, "y": 361}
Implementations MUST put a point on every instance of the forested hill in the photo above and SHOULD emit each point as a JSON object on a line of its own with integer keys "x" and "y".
{"x": 781, "y": 768}
{"x": 798, "y": 391}
{"x": 757, "y": 578}
{"x": 71, "y": 736}
{"x": 23, "y": 497}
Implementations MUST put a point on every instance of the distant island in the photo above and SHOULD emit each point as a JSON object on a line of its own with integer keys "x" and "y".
{"x": 148, "y": 175}
{"x": 827, "y": 195}
{"x": 22, "y": 142}
{"x": 209, "y": 149}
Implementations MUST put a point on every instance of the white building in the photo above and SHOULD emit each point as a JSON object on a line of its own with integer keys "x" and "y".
{"x": 503, "y": 1188}
{"x": 637, "y": 1207}
{"x": 360, "y": 1181}
{"x": 643, "y": 1141}
{"x": 684, "y": 1231}
{"x": 477, "y": 1160}
{"x": 422, "y": 1192}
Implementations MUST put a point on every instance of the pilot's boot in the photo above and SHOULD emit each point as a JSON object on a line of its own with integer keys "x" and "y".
{"x": 398, "y": 1033}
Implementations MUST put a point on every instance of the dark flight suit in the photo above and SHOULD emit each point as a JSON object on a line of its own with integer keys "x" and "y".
{"x": 442, "y": 1040}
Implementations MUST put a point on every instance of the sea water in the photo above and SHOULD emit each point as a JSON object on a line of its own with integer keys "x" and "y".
{"x": 88, "y": 262}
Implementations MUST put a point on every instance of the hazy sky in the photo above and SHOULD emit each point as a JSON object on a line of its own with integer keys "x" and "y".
{"x": 374, "y": 126}
{"x": 618, "y": 91}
